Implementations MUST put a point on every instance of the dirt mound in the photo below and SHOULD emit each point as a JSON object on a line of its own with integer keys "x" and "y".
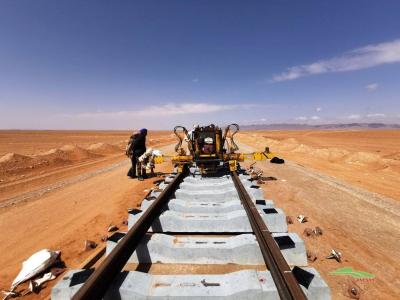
{"x": 12, "y": 163}
{"x": 102, "y": 148}
{"x": 302, "y": 149}
{"x": 290, "y": 141}
{"x": 287, "y": 144}
{"x": 330, "y": 154}
{"x": 363, "y": 158}
{"x": 12, "y": 158}
{"x": 67, "y": 153}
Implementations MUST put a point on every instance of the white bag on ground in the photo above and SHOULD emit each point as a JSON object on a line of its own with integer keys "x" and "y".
{"x": 34, "y": 265}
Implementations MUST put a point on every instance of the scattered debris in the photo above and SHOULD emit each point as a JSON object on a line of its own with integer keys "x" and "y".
{"x": 317, "y": 231}
{"x": 311, "y": 256}
{"x": 112, "y": 228}
{"x": 289, "y": 219}
{"x": 8, "y": 294}
{"x": 34, "y": 265}
{"x": 277, "y": 160}
{"x": 336, "y": 255}
{"x": 308, "y": 232}
{"x": 255, "y": 173}
{"x": 35, "y": 285}
{"x": 259, "y": 181}
{"x": 90, "y": 245}
{"x": 353, "y": 290}
{"x": 125, "y": 222}
{"x": 302, "y": 219}
{"x": 104, "y": 238}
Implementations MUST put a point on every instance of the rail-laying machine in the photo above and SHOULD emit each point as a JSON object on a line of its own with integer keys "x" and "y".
{"x": 211, "y": 149}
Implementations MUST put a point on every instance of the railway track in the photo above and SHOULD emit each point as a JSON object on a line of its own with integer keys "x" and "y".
{"x": 191, "y": 227}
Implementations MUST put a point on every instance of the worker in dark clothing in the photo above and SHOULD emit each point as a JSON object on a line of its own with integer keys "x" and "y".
{"x": 136, "y": 147}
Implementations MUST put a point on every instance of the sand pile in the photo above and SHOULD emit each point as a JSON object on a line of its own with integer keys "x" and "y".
{"x": 288, "y": 145}
{"x": 14, "y": 158}
{"x": 102, "y": 148}
{"x": 302, "y": 149}
{"x": 330, "y": 154}
{"x": 277, "y": 146}
{"x": 13, "y": 161}
{"x": 67, "y": 153}
{"x": 363, "y": 158}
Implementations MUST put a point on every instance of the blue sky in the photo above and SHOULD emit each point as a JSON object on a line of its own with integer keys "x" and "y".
{"x": 155, "y": 64}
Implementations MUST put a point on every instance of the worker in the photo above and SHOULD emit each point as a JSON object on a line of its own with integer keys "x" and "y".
{"x": 147, "y": 161}
{"x": 190, "y": 137}
{"x": 135, "y": 148}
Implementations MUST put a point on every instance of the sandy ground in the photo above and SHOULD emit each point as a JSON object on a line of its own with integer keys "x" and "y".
{"x": 33, "y": 159}
{"x": 366, "y": 158}
{"x": 363, "y": 226}
{"x": 68, "y": 203}
{"x": 75, "y": 201}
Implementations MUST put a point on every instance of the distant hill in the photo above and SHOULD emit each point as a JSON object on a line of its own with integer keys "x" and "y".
{"x": 285, "y": 126}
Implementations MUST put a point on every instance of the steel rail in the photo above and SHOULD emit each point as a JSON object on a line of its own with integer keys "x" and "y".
{"x": 286, "y": 283}
{"x": 97, "y": 284}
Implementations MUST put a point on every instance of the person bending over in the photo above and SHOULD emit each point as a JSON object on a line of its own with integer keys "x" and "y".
{"x": 135, "y": 148}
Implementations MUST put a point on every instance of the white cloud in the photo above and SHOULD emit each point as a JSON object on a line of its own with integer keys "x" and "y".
{"x": 372, "y": 87}
{"x": 170, "y": 109}
{"x": 301, "y": 118}
{"x": 354, "y": 117}
{"x": 315, "y": 118}
{"x": 357, "y": 59}
{"x": 377, "y": 115}
{"x": 318, "y": 109}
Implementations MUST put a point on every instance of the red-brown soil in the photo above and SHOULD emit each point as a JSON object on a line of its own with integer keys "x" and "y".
{"x": 365, "y": 158}
{"x": 364, "y": 226}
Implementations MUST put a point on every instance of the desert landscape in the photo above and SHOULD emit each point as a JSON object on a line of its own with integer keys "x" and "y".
{"x": 366, "y": 158}
{"x": 308, "y": 207}
{"x": 61, "y": 188}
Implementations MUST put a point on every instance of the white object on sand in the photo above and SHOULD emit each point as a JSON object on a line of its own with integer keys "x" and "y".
{"x": 157, "y": 153}
{"x": 302, "y": 219}
{"x": 34, "y": 265}
{"x": 35, "y": 284}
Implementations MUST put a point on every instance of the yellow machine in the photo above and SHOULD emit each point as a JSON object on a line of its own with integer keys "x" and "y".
{"x": 211, "y": 149}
